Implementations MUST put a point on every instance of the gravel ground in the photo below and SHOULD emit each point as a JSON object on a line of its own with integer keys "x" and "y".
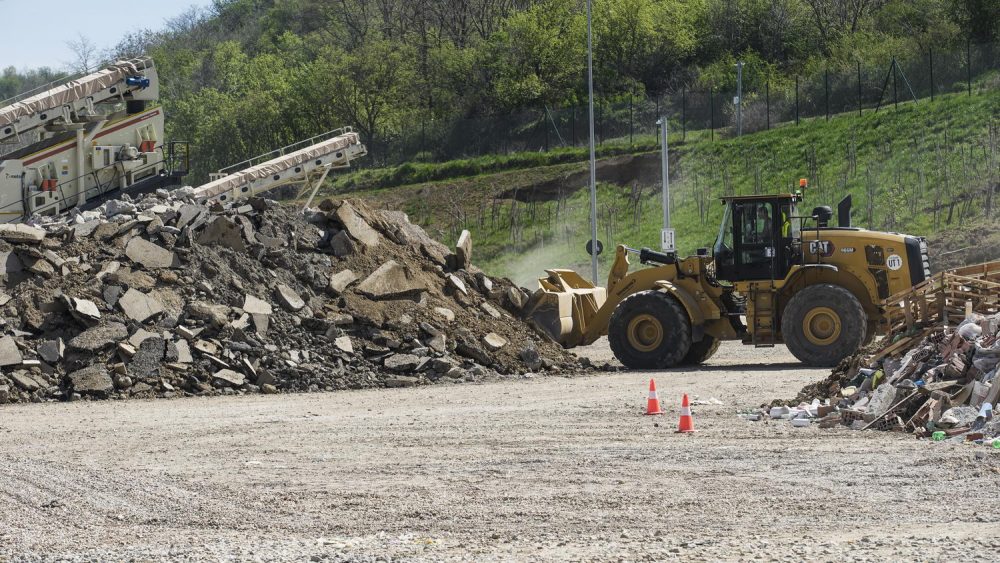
{"x": 541, "y": 469}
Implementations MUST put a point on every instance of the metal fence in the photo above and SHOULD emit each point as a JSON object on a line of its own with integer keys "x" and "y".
{"x": 706, "y": 113}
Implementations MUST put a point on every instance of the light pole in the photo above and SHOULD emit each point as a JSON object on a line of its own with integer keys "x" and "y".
{"x": 593, "y": 150}
{"x": 667, "y": 243}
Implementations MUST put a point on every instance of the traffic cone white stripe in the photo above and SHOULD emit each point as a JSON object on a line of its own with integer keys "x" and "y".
{"x": 685, "y": 411}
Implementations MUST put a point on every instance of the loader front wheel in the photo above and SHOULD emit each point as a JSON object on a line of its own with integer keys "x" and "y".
{"x": 823, "y": 324}
{"x": 649, "y": 330}
{"x": 700, "y": 352}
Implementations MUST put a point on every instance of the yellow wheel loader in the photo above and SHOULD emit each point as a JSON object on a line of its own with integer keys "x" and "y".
{"x": 773, "y": 276}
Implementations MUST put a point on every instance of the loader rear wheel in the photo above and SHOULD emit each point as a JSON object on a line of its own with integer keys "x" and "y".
{"x": 649, "y": 330}
{"x": 700, "y": 352}
{"x": 823, "y": 324}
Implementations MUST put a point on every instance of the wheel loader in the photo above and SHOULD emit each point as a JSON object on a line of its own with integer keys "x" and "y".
{"x": 772, "y": 276}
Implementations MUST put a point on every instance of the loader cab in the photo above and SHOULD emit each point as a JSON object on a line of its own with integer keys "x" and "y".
{"x": 757, "y": 238}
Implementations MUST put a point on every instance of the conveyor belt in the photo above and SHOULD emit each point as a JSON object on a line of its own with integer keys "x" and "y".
{"x": 292, "y": 164}
{"x": 41, "y": 106}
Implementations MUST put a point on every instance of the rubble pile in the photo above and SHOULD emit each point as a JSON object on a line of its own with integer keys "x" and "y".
{"x": 166, "y": 297}
{"x": 934, "y": 376}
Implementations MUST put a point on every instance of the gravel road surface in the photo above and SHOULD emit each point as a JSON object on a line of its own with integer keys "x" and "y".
{"x": 540, "y": 469}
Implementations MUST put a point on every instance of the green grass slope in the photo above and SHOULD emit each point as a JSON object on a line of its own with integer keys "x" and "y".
{"x": 923, "y": 168}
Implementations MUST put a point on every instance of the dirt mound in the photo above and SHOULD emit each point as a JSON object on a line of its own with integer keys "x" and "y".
{"x": 166, "y": 297}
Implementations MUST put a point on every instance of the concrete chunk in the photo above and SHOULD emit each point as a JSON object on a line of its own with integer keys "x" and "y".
{"x": 52, "y": 350}
{"x": 150, "y": 255}
{"x": 341, "y": 280}
{"x": 256, "y": 306}
{"x": 343, "y": 343}
{"x": 463, "y": 250}
{"x": 494, "y": 341}
{"x": 139, "y": 306}
{"x": 457, "y": 284}
{"x": 84, "y": 309}
{"x": 10, "y": 355}
{"x": 98, "y": 337}
{"x": 389, "y": 281}
{"x": 92, "y": 380}
{"x": 223, "y": 232}
{"x": 355, "y": 226}
{"x": 19, "y": 233}
{"x": 402, "y": 362}
{"x": 342, "y": 245}
{"x": 233, "y": 378}
{"x": 289, "y": 299}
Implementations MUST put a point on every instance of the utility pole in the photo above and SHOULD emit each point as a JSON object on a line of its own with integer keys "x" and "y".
{"x": 667, "y": 243}
{"x": 593, "y": 150}
{"x": 739, "y": 99}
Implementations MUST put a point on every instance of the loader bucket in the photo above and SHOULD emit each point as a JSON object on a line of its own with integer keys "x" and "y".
{"x": 563, "y": 305}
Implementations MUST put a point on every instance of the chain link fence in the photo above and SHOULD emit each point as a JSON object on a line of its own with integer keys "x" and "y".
{"x": 701, "y": 113}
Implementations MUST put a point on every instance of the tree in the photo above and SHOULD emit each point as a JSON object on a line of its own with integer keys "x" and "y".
{"x": 85, "y": 54}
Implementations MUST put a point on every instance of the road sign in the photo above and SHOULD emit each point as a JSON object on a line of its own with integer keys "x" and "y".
{"x": 667, "y": 241}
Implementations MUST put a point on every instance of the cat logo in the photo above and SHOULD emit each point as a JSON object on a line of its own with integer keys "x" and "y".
{"x": 821, "y": 248}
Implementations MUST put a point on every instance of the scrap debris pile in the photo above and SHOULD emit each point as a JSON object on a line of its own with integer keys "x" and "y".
{"x": 165, "y": 297}
{"x": 935, "y": 375}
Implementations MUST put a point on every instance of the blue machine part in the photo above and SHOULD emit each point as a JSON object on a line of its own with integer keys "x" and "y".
{"x": 140, "y": 81}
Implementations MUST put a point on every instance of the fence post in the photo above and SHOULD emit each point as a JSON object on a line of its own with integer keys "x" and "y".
{"x": 895, "y": 94}
{"x": 968, "y": 58}
{"x": 545, "y": 125}
{"x": 631, "y": 122}
{"x": 684, "y": 130}
{"x": 767, "y": 103}
{"x": 826, "y": 85}
{"x": 711, "y": 111}
{"x": 859, "y": 88}
{"x": 574, "y": 126}
{"x": 930, "y": 68}
{"x": 796, "y": 100}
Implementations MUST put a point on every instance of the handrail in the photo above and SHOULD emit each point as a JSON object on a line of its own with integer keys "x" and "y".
{"x": 285, "y": 150}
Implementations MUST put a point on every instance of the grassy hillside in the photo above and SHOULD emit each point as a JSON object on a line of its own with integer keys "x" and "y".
{"x": 922, "y": 168}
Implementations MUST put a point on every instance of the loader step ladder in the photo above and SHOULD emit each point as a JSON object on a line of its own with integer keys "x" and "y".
{"x": 763, "y": 319}
{"x": 71, "y": 100}
{"x": 307, "y": 163}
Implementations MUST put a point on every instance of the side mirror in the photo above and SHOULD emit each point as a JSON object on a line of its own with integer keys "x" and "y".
{"x": 590, "y": 248}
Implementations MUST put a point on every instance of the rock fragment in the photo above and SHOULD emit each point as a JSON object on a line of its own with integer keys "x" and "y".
{"x": 10, "y": 354}
{"x": 389, "y": 281}
{"x": 355, "y": 226}
{"x": 139, "y": 306}
{"x": 463, "y": 250}
{"x": 19, "y": 233}
{"x": 92, "y": 380}
{"x": 341, "y": 280}
{"x": 150, "y": 255}
{"x": 289, "y": 299}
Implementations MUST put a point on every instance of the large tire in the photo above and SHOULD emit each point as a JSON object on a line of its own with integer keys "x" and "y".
{"x": 700, "y": 352}
{"x": 823, "y": 324}
{"x": 650, "y": 330}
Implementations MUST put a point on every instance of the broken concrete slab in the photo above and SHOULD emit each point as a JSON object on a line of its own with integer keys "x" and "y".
{"x": 256, "y": 306}
{"x": 401, "y": 381}
{"x": 342, "y": 245}
{"x": 92, "y": 380}
{"x": 150, "y": 255}
{"x": 490, "y": 310}
{"x": 24, "y": 381}
{"x": 84, "y": 310}
{"x": 233, "y": 378}
{"x": 494, "y": 341}
{"x": 289, "y": 299}
{"x": 343, "y": 343}
{"x": 463, "y": 250}
{"x": 99, "y": 337}
{"x": 188, "y": 213}
{"x": 19, "y": 233}
{"x": 52, "y": 351}
{"x": 457, "y": 284}
{"x": 402, "y": 362}
{"x": 10, "y": 354}
{"x": 139, "y": 306}
{"x": 222, "y": 232}
{"x": 340, "y": 281}
{"x": 357, "y": 227}
{"x": 445, "y": 313}
{"x": 389, "y": 281}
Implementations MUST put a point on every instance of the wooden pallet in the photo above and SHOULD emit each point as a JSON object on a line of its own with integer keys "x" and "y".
{"x": 945, "y": 299}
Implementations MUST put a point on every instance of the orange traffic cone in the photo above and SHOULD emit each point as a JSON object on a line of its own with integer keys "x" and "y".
{"x": 653, "y": 403}
{"x": 687, "y": 423}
